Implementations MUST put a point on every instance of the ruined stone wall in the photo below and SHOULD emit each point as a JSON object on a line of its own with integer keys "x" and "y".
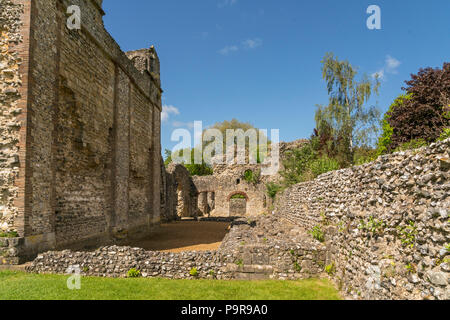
{"x": 91, "y": 138}
{"x": 220, "y": 188}
{"x": 386, "y": 223}
{"x": 265, "y": 248}
{"x": 181, "y": 196}
{"x": 10, "y": 110}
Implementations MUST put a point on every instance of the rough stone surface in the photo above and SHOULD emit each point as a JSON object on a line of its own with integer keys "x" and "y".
{"x": 80, "y": 152}
{"x": 10, "y": 82}
{"x": 251, "y": 251}
{"x": 385, "y": 223}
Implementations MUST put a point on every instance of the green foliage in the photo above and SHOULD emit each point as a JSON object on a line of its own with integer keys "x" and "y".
{"x": 323, "y": 165}
{"x": 412, "y": 145}
{"x": 26, "y": 286}
{"x": 318, "y": 234}
{"x": 410, "y": 268}
{"x": 133, "y": 273}
{"x": 168, "y": 155}
{"x": 385, "y": 140}
{"x": 235, "y": 124}
{"x": 193, "y": 272}
{"x": 297, "y": 267}
{"x": 10, "y": 234}
{"x": 364, "y": 155}
{"x": 447, "y": 247}
{"x": 330, "y": 269}
{"x": 252, "y": 177}
{"x": 296, "y": 165}
{"x": 198, "y": 169}
{"x": 351, "y": 122}
{"x": 408, "y": 234}
{"x": 445, "y": 134}
{"x": 273, "y": 189}
{"x": 240, "y": 262}
{"x": 238, "y": 196}
{"x": 424, "y": 115}
{"x": 305, "y": 164}
{"x": 194, "y": 169}
{"x": 374, "y": 226}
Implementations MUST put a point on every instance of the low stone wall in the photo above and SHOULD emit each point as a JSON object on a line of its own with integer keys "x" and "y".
{"x": 10, "y": 249}
{"x": 386, "y": 223}
{"x": 248, "y": 252}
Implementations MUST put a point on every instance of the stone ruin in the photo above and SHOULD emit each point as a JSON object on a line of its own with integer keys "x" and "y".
{"x": 385, "y": 226}
{"x": 81, "y": 167}
{"x": 80, "y": 151}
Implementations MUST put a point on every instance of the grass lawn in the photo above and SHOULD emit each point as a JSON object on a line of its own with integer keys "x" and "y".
{"x": 23, "y": 286}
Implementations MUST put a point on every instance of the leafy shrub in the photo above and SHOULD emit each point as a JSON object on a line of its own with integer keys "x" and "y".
{"x": 411, "y": 145}
{"x": 133, "y": 273}
{"x": 273, "y": 189}
{"x": 318, "y": 234}
{"x": 385, "y": 140}
{"x": 252, "y": 177}
{"x": 425, "y": 114}
{"x": 10, "y": 234}
{"x": 330, "y": 269}
{"x": 194, "y": 272}
{"x": 364, "y": 154}
{"x": 445, "y": 134}
{"x": 408, "y": 234}
{"x": 323, "y": 165}
{"x": 238, "y": 196}
{"x": 373, "y": 226}
{"x": 296, "y": 165}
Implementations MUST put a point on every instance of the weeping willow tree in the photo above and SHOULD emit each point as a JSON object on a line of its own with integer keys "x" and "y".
{"x": 352, "y": 123}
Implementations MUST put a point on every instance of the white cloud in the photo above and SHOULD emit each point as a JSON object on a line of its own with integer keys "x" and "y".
{"x": 391, "y": 66}
{"x": 228, "y": 49}
{"x": 179, "y": 124}
{"x": 167, "y": 111}
{"x": 252, "y": 43}
{"x": 248, "y": 44}
{"x": 380, "y": 74}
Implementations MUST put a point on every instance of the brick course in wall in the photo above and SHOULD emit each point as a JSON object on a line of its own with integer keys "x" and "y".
{"x": 80, "y": 153}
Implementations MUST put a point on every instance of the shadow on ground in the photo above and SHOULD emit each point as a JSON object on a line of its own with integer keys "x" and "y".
{"x": 184, "y": 236}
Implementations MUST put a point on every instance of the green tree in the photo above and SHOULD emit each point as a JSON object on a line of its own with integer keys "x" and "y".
{"x": 168, "y": 155}
{"x": 235, "y": 124}
{"x": 385, "y": 140}
{"x": 351, "y": 121}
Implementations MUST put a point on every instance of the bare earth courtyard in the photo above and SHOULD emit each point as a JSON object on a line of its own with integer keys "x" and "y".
{"x": 185, "y": 235}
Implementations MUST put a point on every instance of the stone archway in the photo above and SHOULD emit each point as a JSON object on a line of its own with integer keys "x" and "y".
{"x": 238, "y": 204}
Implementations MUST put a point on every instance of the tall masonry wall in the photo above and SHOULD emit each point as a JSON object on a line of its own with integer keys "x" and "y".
{"x": 80, "y": 152}
{"x": 386, "y": 224}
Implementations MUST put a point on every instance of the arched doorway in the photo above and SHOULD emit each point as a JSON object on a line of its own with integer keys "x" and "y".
{"x": 237, "y": 204}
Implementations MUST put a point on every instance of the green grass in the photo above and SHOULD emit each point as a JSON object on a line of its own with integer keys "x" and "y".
{"x": 23, "y": 286}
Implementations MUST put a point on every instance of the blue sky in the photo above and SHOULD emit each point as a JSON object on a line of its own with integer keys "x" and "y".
{"x": 259, "y": 60}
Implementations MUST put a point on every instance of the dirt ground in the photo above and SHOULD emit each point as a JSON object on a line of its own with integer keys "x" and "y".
{"x": 185, "y": 236}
